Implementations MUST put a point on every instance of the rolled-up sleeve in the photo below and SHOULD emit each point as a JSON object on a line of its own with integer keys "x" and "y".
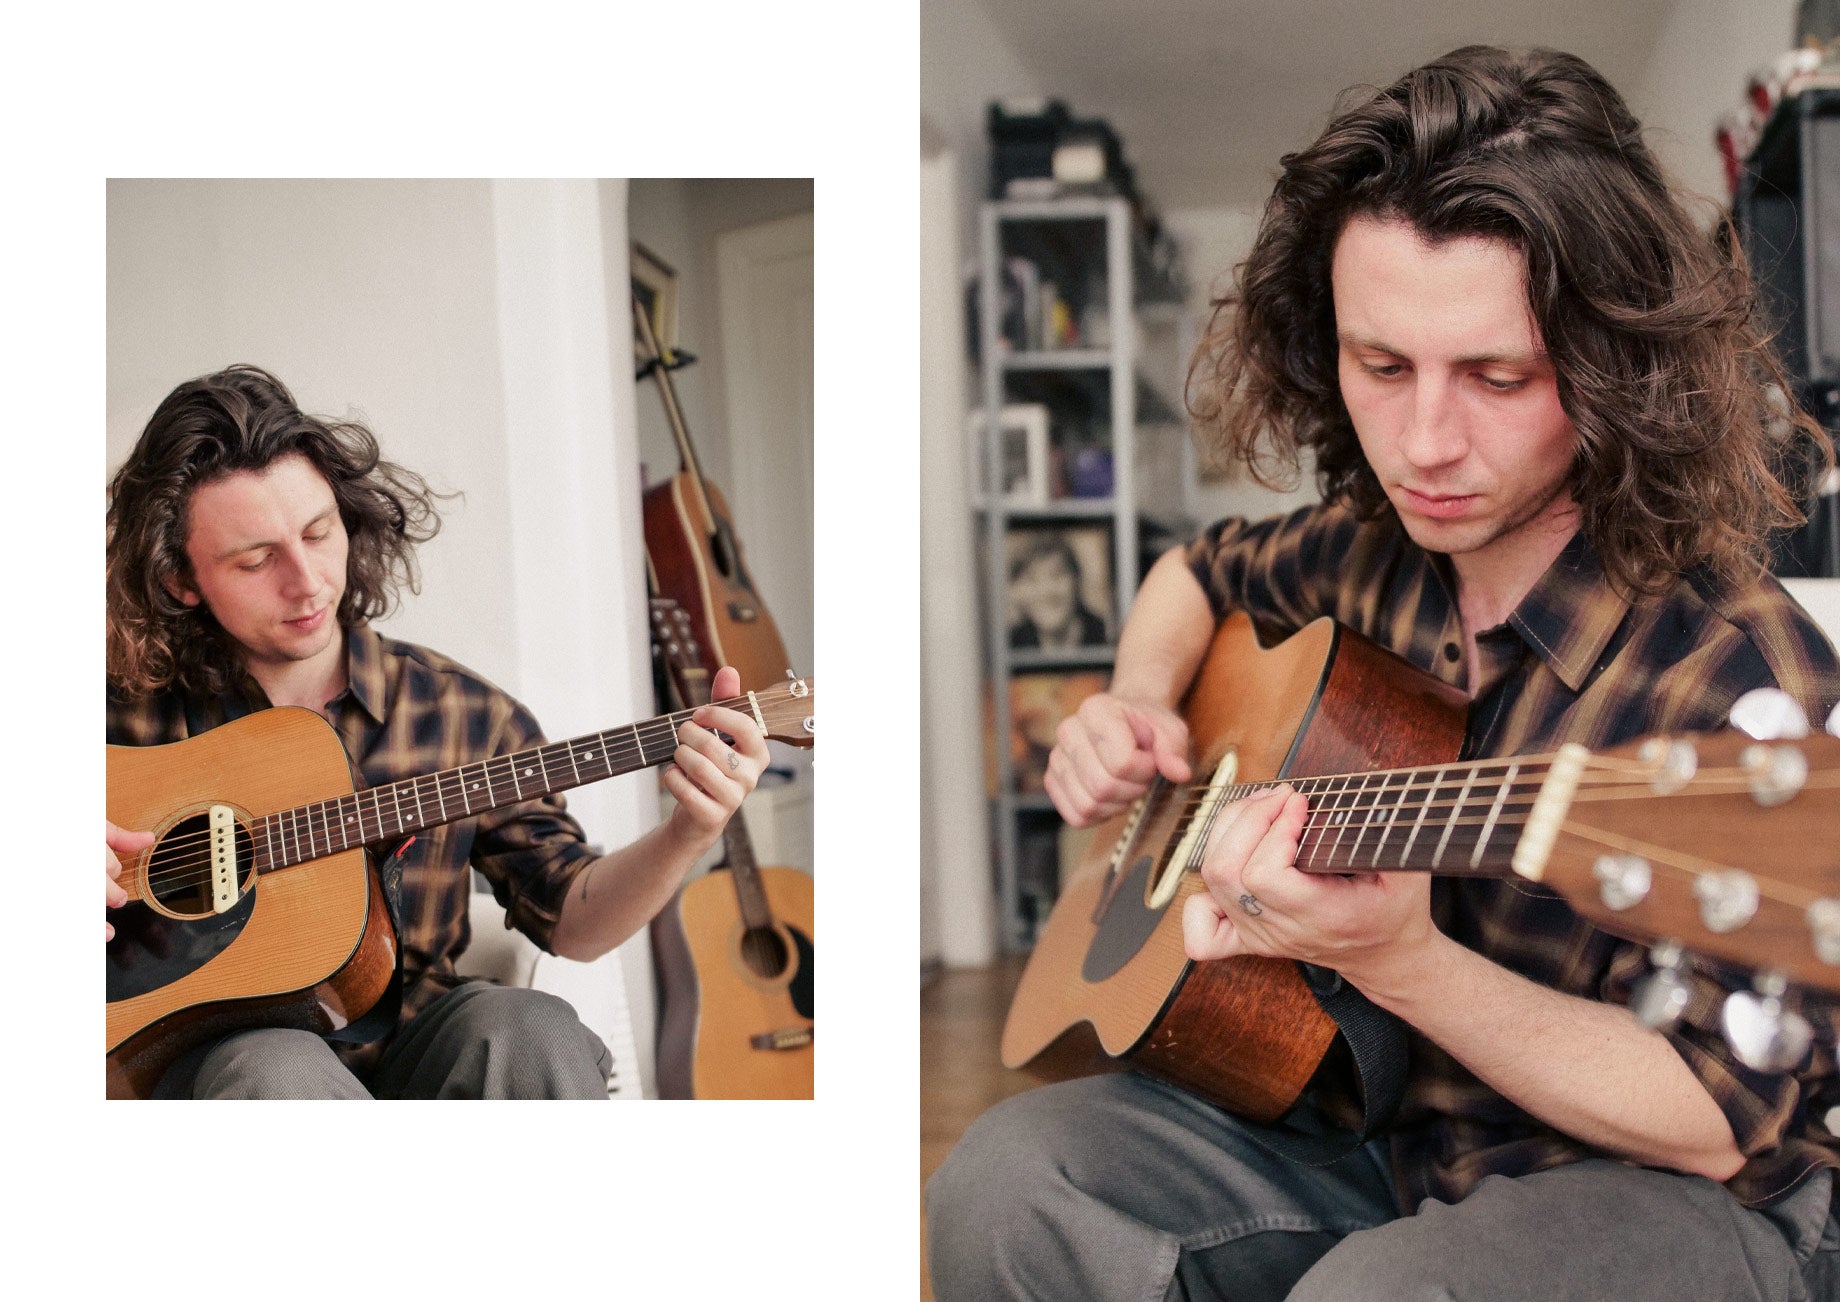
{"x": 529, "y": 852}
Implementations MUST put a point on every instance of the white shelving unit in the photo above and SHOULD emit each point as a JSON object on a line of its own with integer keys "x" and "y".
{"x": 1135, "y": 399}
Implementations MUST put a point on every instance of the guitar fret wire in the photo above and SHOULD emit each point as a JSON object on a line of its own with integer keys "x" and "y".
{"x": 1353, "y": 803}
{"x": 1488, "y": 828}
{"x": 1366, "y": 823}
{"x": 1391, "y": 818}
{"x": 1419, "y": 821}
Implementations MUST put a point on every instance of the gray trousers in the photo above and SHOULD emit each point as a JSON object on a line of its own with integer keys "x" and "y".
{"x": 1123, "y": 1187}
{"x": 479, "y": 1041}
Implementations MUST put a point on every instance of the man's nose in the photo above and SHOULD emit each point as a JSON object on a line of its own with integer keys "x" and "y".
{"x": 297, "y": 576}
{"x": 1434, "y": 434}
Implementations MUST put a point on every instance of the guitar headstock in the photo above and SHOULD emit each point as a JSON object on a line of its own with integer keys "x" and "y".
{"x": 1726, "y": 844}
{"x": 674, "y": 642}
{"x": 786, "y": 711}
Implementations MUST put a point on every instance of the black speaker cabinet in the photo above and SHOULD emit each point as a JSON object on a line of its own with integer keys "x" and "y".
{"x": 1788, "y": 216}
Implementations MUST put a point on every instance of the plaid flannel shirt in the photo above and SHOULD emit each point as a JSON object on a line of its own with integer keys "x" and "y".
{"x": 1574, "y": 662}
{"x": 406, "y": 712}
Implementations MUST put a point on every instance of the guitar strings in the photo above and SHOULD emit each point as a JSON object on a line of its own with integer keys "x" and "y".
{"x": 185, "y": 861}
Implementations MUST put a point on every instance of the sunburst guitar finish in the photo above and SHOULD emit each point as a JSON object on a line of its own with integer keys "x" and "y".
{"x": 1245, "y": 1032}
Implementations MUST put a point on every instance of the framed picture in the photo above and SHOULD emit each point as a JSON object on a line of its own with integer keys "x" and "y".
{"x": 1024, "y": 455}
{"x": 1037, "y": 704}
{"x": 1060, "y": 586}
{"x": 655, "y": 286}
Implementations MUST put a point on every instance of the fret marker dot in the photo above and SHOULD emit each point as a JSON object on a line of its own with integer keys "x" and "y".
{"x": 528, "y": 772}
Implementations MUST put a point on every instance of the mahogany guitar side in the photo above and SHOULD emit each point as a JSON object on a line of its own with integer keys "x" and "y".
{"x": 1246, "y": 1032}
{"x": 311, "y": 948}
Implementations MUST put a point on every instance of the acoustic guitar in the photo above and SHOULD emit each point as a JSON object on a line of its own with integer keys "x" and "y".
{"x": 257, "y": 906}
{"x": 1657, "y": 838}
{"x": 694, "y": 554}
{"x": 733, "y": 949}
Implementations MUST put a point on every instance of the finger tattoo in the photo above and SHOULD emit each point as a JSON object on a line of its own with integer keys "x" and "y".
{"x": 734, "y": 761}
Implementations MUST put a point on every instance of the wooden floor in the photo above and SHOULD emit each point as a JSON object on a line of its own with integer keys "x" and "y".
{"x": 961, "y": 1020}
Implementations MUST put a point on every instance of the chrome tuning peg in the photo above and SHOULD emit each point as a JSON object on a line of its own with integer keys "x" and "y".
{"x": 1765, "y": 1035}
{"x": 1833, "y": 721}
{"x": 1662, "y": 996}
{"x": 1776, "y": 773}
{"x": 1674, "y": 761}
{"x": 1769, "y": 714}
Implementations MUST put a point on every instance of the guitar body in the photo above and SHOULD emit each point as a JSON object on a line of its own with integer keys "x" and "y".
{"x": 311, "y": 947}
{"x": 722, "y": 1012}
{"x": 1246, "y": 1033}
{"x": 697, "y": 561}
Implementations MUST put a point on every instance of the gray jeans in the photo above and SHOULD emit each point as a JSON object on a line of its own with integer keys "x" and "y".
{"x": 479, "y": 1041}
{"x": 1122, "y": 1187}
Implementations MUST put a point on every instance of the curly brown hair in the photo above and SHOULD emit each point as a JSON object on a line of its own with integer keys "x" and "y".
{"x": 240, "y": 419}
{"x": 1690, "y": 452}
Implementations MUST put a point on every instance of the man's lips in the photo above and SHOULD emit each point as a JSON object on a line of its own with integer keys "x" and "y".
{"x": 1439, "y": 506}
{"x": 307, "y": 623}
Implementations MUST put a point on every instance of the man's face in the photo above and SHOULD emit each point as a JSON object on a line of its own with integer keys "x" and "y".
{"x": 268, "y": 560}
{"x": 1446, "y": 379}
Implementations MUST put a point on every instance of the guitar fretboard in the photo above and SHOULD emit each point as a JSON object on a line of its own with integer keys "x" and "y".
{"x": 294, "y": 836}
{"x": 1453, "y": 820}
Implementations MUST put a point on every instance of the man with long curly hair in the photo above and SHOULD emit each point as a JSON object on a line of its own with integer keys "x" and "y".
{"x": 1552, "y": 444}
{"x": 249, "y": 546}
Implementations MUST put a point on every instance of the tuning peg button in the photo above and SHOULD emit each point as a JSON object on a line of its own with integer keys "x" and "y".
{"x": 1674, "y": 761}
{"x": 1777, "y": 773}
{"x": 1769, "y": 714}
{"x": 1761, "y": 1032}
{"x": 1624, "y": 878}
{"x": 1833, "y": 721}
{"x": 1824, "y": 927}
{"x": 1663, "y": 995}
{"x": 1727, "y": 899}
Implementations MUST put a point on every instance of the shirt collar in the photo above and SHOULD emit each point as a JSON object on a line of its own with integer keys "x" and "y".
{"x": 366, "y": 680}
{"x": 1570, "y": 615}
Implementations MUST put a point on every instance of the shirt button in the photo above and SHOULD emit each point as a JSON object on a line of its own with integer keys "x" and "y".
{"x": 1452, "y": 652}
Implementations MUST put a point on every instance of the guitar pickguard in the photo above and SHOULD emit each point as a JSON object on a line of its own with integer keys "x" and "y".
{"x": 1127, "y": 924}
{"x": 151, "y": 950}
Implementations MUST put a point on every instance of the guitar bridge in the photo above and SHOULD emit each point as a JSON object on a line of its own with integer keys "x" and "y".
{"x": 742, "y": 613}
{"x": 223, "y": 859}
{"x": 790, "y": 1037}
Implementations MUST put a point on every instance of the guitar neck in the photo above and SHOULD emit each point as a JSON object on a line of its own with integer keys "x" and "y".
{"x": 398, "y": 809}
{"x": 1454, "y": 820}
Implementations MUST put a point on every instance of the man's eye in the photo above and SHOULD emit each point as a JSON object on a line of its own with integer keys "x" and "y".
{"x": 1503, "y": 386}
{"x": 1386, "y": 372}
{"x": 252, "y": 566}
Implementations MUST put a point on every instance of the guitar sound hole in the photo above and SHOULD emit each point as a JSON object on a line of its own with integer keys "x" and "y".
{"x": 180, "y": 870}
{"x": 764, "y": 952}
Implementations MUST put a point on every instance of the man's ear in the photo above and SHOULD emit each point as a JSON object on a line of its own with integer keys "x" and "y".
{"x": 180, "y": 592}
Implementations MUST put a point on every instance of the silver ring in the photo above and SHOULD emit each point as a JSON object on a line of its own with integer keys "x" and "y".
{"x": 1250, "y": 903}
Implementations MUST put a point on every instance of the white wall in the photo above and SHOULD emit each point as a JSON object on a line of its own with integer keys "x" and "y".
{"x": 1697, "y": 71}
{"x": 966, "y": 64}
{"x": 468, "y": 324}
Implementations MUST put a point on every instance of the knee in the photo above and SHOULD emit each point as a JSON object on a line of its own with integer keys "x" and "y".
{"x": 516, "y": 1017}
{"x": 274, "y": 1064}
{"x": 990, "y": 1193}
{"x": 523, "y": 1023}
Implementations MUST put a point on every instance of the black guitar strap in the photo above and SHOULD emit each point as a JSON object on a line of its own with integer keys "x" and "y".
{"x": 1377, "y": 1040}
